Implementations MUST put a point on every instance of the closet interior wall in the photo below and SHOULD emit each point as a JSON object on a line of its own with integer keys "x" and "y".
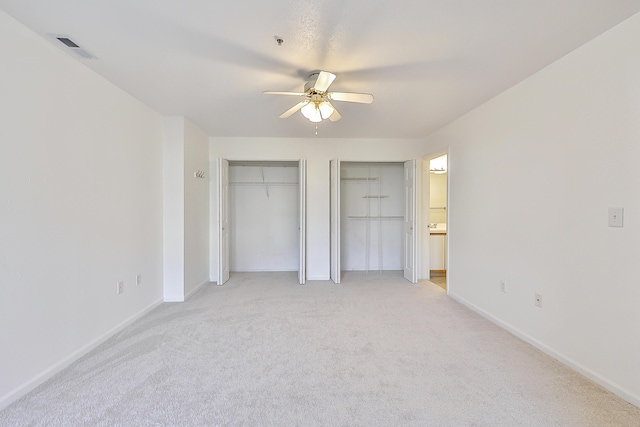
{"x": 371, "y": 217}
{"x": 264, "y": 216}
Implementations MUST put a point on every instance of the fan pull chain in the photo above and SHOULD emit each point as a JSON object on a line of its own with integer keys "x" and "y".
{"x": 316, "y": 129}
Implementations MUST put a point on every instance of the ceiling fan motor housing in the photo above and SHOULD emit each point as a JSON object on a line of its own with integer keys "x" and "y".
{"x": 309, "y": 86}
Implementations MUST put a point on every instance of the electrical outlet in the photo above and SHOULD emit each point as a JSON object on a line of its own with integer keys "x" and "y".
{"x": 503, "y": 286}
{"x": 538, "y": 301}
{"x": 616, "y": 217}
{"x": 137, "y": 280}
{"x": 120, "y": 287}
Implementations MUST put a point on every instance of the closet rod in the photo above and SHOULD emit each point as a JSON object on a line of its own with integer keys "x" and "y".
{"x": 439, "y": 208}
{"x": 358, "y": 179}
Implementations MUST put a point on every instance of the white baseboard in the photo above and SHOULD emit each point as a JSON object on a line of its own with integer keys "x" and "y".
{"x": 183, "y": 298}
{"x": 262, "y": 270}
{"x": 196, "y": 289}
{"x": 312, "y": 278}
{"x": 598, "y": 379}
{"x": 214, "y": 280}
{"x": 48, "y": 373}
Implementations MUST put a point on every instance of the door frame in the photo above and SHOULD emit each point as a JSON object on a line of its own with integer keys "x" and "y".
{"x": 426, "y": 213}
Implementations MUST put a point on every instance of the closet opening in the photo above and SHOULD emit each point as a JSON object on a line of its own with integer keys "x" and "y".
{"x": 373, "y": 218}
{"x": 262, "y": 229}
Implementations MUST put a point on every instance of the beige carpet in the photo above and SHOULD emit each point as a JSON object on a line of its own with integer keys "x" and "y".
{"x": 265, "y": 351}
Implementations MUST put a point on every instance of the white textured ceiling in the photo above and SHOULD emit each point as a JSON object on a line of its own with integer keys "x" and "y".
{"x": 427, "y": 62}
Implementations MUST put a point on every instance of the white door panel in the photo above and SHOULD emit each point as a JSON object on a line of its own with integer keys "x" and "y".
{"x": 223, "y": 221}
{"x": 335, "y": 220}
{"x": 302, "y": 187}
{"x": 410, "y": 229}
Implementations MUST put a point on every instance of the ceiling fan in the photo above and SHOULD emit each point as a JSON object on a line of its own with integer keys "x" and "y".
{"x": 316, "y": 105}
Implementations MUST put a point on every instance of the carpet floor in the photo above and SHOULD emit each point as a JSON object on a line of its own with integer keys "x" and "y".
{"x": 264, "y": 351}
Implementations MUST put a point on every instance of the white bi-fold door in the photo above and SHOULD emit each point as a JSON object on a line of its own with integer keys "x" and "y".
{"x": 410, "y": 226}
{"x": 302, "y": 221}
{"x": 335, "y": 220}
{"x": 223, "y": 221}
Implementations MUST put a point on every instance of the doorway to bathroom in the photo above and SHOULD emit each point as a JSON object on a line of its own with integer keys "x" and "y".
{"x": 437, "y": 220}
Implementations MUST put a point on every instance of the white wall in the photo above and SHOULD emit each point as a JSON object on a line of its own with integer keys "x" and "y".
{"x": 173, "y": 202}
{"x": 196, "y": 208}
{"x": 532, "y": 174}
{"x": 186, "y": 208}
{"x": 80, "y": 209}
{"x": 318, "y": 152}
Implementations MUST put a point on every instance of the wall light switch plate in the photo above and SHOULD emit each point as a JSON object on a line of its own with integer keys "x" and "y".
{"x": 615, "y": 217}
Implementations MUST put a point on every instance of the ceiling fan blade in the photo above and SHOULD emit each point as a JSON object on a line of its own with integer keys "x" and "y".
{"x": 283, "y": 93}
{"x": 335, "y": 116}
{"x": 362, "y": 98}
{"x": 324, "y": 80}
{"x": 293, "y": 109}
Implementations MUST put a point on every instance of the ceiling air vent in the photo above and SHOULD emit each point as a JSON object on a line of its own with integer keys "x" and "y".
{"x": 65, "y": 40}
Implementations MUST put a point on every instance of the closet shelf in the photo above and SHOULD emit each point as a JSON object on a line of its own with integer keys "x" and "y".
{"x": 376, "y": 216}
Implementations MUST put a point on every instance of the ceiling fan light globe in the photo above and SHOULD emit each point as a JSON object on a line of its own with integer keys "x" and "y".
{"x": 326, "y": 110}
{"x": 316, "y": 117}
{"x": 308, "y": 110}
{"x": 312, "y": 112}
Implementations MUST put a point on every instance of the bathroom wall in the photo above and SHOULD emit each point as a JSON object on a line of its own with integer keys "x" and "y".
{"x": 438, "y": 198}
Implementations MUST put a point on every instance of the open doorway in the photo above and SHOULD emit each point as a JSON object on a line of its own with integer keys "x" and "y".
{"x": 262, "y": 217}
{"x": 437, "y": 222}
